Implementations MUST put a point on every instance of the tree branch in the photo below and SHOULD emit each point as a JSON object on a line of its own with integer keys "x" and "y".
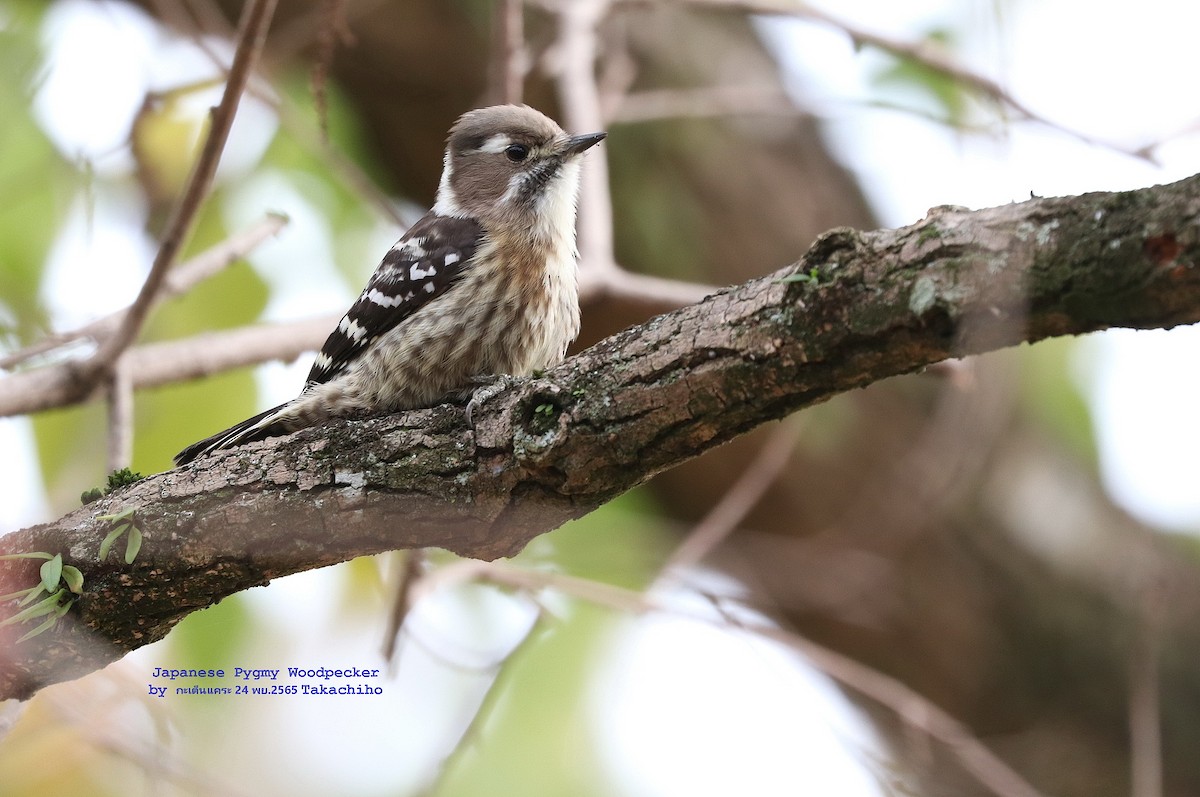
{"x": 859, "y": 307}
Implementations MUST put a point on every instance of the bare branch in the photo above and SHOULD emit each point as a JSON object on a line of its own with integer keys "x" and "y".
{"x": 652, "y": 105}
{"x": 641, "y": 289}
{"x": 120, "y": 416}
{"x": 411, "y": 570}
{"x": 1145, "y": 722}
{"x": 506, "y": 76}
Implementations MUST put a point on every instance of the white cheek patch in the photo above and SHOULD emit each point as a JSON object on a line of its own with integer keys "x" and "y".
{"x": 446, "y": 203}
{"x": 515, "y": 184}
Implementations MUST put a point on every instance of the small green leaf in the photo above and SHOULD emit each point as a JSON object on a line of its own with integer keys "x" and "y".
{"x": 813, "y": 275}
{"x": 122, "y": 515}
{"x": 46, "y": 625}
{"x": 106, "y": 544}
{"x": 32, "y": 594}
{"x": 21, "y": 593}
{"x": 133, "y": 544}
{"x": 73, "y": 577}
{"x": 33, "y": 555}
{"x": 52, "y": 572}
{"x": 38, "y": 609}
{"x": 50, "y": 621}
{"x": 94, "y": 494}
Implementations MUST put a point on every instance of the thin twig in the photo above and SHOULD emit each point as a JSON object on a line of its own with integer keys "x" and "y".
{"x": 653, "y": 105}
{"x": 659, "y": 293}
{"x": 253, "y": 30}
{"x": 410, "y": 573}
{"x": 332, "y": 31}
{"x": 120, "y": 415}
{"x": 475, "y": 728}
{"x": 737, "y": 502}
{"x": 1145, "y": 724}
{"x": 179, "y": 281}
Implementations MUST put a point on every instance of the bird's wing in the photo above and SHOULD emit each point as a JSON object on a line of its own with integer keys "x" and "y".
{"x": 430, "y": 257}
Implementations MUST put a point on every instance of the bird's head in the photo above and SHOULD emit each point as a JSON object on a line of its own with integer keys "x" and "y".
{"x": 509, "y": 165}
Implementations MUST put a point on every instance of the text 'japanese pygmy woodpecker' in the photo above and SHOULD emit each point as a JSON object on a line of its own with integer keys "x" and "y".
{"x": 484, "y": 285}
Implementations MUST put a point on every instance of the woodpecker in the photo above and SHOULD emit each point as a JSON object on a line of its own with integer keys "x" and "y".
{"x": 483, "y": 286}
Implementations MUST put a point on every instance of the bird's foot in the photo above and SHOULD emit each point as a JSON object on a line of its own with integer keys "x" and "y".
{"x": 489, "y": 385}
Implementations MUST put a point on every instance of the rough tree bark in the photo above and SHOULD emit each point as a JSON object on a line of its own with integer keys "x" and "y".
{"x": 857, "y": 308}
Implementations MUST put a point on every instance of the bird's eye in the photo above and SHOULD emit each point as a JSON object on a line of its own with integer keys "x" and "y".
{"x": 516, "y": 152}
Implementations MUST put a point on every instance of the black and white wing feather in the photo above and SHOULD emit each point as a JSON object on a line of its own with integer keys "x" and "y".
{"x": 420, "y": 267}
{"x": 431, "y": 257}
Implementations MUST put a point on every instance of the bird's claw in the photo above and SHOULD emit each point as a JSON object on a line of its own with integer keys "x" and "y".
{"x": 489, "y": 386}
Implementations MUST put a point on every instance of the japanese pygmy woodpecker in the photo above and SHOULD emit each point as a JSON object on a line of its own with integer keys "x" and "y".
{"x": 483, "y": 285}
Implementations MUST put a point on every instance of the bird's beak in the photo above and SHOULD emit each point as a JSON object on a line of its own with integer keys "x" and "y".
{"x": 577, "y": 144}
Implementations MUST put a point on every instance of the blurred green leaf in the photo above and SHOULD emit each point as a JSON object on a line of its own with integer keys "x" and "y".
{"x": 165, "y": 141}
{"x": 31, "y": 169}
{"x": 1053, "y": 397}
{"x": 216, "y": 634}
{"x": 70, "y": 446}
{"x": 947, "y": 97}
{"x": 622, "y": 543}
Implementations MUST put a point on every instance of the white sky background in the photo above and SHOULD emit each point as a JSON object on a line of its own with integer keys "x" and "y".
{"x": 1124, "y": 72}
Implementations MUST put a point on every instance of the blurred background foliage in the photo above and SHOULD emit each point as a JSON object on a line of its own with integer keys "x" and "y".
{"x": 949, "y": 531}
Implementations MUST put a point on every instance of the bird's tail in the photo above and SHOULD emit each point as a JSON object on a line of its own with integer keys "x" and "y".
{"x": 260, "y": 427}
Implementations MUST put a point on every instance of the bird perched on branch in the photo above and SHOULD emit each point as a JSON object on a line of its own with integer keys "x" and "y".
{"x": 483, "y": 286}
